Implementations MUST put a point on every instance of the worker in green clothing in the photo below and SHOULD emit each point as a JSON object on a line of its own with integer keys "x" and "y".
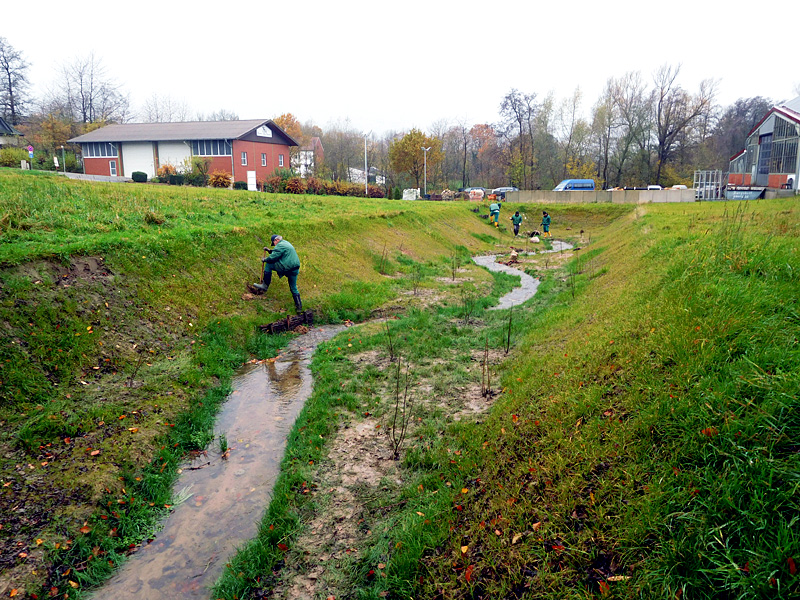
{"x": 516, "y": 219}
{"x": 283, "y": 260}
{"x": 545, "y": 224}
{"x": 494, "y": 213}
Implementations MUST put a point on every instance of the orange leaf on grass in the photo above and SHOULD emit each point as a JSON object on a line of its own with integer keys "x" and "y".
{"x": 468, "y": 573}
{"x": 94, "y": 452}
{"x": 792, "y": 567}
{"x": 85, "y": 528}
{"x": 283, "y": 547}
{"x": 604, "y": 589}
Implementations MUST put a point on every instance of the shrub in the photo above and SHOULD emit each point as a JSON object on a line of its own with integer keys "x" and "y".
{"x": 314, "y": 185}
{"x": 398, "y": 193}
{"x": 139, "y": 176}
{"x": 240, "y": 185}
{"x": 11, "y": 157}
{"x": 164, "y": 171}
{"x": 274, "y": 184}
{"x": 296, "y": 186}
{"x": 375, "y": 191}
{"x": 219, "y": 179}
{"x": 175, "y": 179}
{"x": 196, "y": 172}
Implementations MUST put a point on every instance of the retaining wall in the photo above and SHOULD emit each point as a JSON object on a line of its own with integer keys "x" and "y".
{"x": 599, "y": 196}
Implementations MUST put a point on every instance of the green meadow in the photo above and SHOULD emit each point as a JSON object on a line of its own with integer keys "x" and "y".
{"x": 630, "y": 432}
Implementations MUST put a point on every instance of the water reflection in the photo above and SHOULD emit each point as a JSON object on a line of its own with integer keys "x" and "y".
{"x": 224, "y": 499}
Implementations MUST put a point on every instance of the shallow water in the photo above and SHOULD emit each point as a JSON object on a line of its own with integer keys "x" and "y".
{"x": 528, "y": 285}
{"x": 226, "y": 498}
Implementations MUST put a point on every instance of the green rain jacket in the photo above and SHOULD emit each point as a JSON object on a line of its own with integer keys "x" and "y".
{"x": 494, "y": 207}
{"x": 516, "y": 219}
{"x": 546, "y": 220}
{"x": 283, "y": 259}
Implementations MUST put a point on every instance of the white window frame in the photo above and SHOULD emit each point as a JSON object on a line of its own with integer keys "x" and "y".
{"x": 263, "y": 159}
{"x": 280, "y": 160}
{"x": 112, "y": 167}
{"x": 244, "y": 159}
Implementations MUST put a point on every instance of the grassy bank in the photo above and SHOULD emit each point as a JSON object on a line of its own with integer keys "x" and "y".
{"x": 124, "y": 316}
{"x": 644, "y": 443}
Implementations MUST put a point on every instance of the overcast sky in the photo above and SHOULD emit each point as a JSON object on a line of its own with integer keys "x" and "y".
{"x": 397, "y": 65}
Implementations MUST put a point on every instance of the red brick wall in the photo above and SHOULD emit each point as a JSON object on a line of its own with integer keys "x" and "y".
{"x": 739, "y": 178}
{"x": 254, "y": 151}
{"x": 99, "y": 166}
{"x": 776, "y": 180}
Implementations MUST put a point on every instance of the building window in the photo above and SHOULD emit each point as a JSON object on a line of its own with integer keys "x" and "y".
{"x": 112, "y": 166}
{"x": 211, "y": 148}
{"x": 263, "y": 159}
{"x": 280, "y": 160}
{"x": 244, "y": 159}
{"x": 99, "y": 149}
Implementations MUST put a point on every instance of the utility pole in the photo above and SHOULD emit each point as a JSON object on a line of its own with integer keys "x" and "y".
{"x": 425, "y": 153}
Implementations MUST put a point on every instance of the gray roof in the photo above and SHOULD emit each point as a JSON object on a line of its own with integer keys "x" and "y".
{"x": 6, "y": 128}
{"x": 163, "y": 132}
{"x": 793, "y": 105}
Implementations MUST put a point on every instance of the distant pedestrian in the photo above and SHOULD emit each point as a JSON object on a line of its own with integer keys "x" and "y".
{"x": 546, "y": 224}
{"x": 516, "y": 219}
{"x": 494, "y": 213}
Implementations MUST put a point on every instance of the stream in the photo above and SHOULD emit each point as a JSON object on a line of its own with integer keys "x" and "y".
{"x": 222, "y": 501}
{"x": 528, "y": 285}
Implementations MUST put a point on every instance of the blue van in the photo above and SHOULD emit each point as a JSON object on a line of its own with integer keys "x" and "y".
{"x": 575, "y": 185}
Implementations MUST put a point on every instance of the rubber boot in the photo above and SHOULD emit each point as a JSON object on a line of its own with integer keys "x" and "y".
{"x": 261, "y": 286}
{"x": 298, "y": 304}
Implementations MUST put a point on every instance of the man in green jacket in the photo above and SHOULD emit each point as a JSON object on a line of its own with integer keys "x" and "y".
{"x": 516, "y": 219}
{"x": 283, "y": 260}
{"x": 494, "y": 212}
{"x": 546, "y": 224}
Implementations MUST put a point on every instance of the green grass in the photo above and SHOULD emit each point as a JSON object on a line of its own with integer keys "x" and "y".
{"x": 124, "y": 319}
{"x": 645, "y": 444}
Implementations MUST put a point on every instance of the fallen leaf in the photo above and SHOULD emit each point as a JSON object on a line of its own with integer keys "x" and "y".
{"x": 94, "y": 452}
{"x": 464, "y": 490}
{"x": 464, "y": 549}
{"x": 516, "y": 537}
{"x": 13, "y": 593}
{"x": 85, "y": 529}
{"x": 420, "y": 514}
{"x": 468, "y": 573}
{"x": 536, "y": 526}
{"x": 381, "y": 566}
{"x": 792, "y": 566}
{"x": 283, "y": 547}
{"x": 133, "y": 429}
{"x": 73, "y": 583}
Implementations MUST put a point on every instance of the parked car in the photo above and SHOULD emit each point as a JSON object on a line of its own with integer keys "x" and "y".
{"x": 654, "y": 187}
{"x": 576, "y": 185}
{"x": 500, "y": 192}
{"x": 680, "y": 186}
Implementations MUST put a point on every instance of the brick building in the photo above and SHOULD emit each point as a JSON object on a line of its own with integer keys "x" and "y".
{"x": 236, "y": 147}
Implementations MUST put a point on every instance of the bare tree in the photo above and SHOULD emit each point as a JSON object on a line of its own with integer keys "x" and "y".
{"x": 631, "y": 103}
{"x": 14, "y": 82}
{"x": 89, "y": 94}
{"x": 675, "y": 110}
{"x": 218, "y": 115}
{"x": 164, "y": 109}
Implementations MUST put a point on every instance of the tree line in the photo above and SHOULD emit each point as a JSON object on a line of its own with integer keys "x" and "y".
{"x": 641, "y": 130}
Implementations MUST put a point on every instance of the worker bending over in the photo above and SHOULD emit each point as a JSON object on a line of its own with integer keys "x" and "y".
{"x": 284, "y": 261}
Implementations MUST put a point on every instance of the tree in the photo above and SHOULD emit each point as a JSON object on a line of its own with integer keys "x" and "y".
{"x": 14, "y": 84}
{"x": 406, "y": 154}
{"x": 518, "y": 111}
{"x": 735, "y": 122}
{"x": 164, "y": 109}
{"x": 675, "y": 110}
{"x": 218, "y": 115}
{"x": 289, "y": 123}
{"x": 89, "y": 94}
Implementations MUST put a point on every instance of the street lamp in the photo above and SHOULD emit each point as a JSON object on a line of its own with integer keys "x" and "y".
{"x": 63, "y": 161}
{"x": 425, "y": 155}
{"x": 366, "y": 173}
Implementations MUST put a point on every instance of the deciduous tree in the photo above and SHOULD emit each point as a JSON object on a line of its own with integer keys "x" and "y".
{"x": 14, "y": 83}
{"x": 406, "y": 154}
{"x": 90, "y": 94}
